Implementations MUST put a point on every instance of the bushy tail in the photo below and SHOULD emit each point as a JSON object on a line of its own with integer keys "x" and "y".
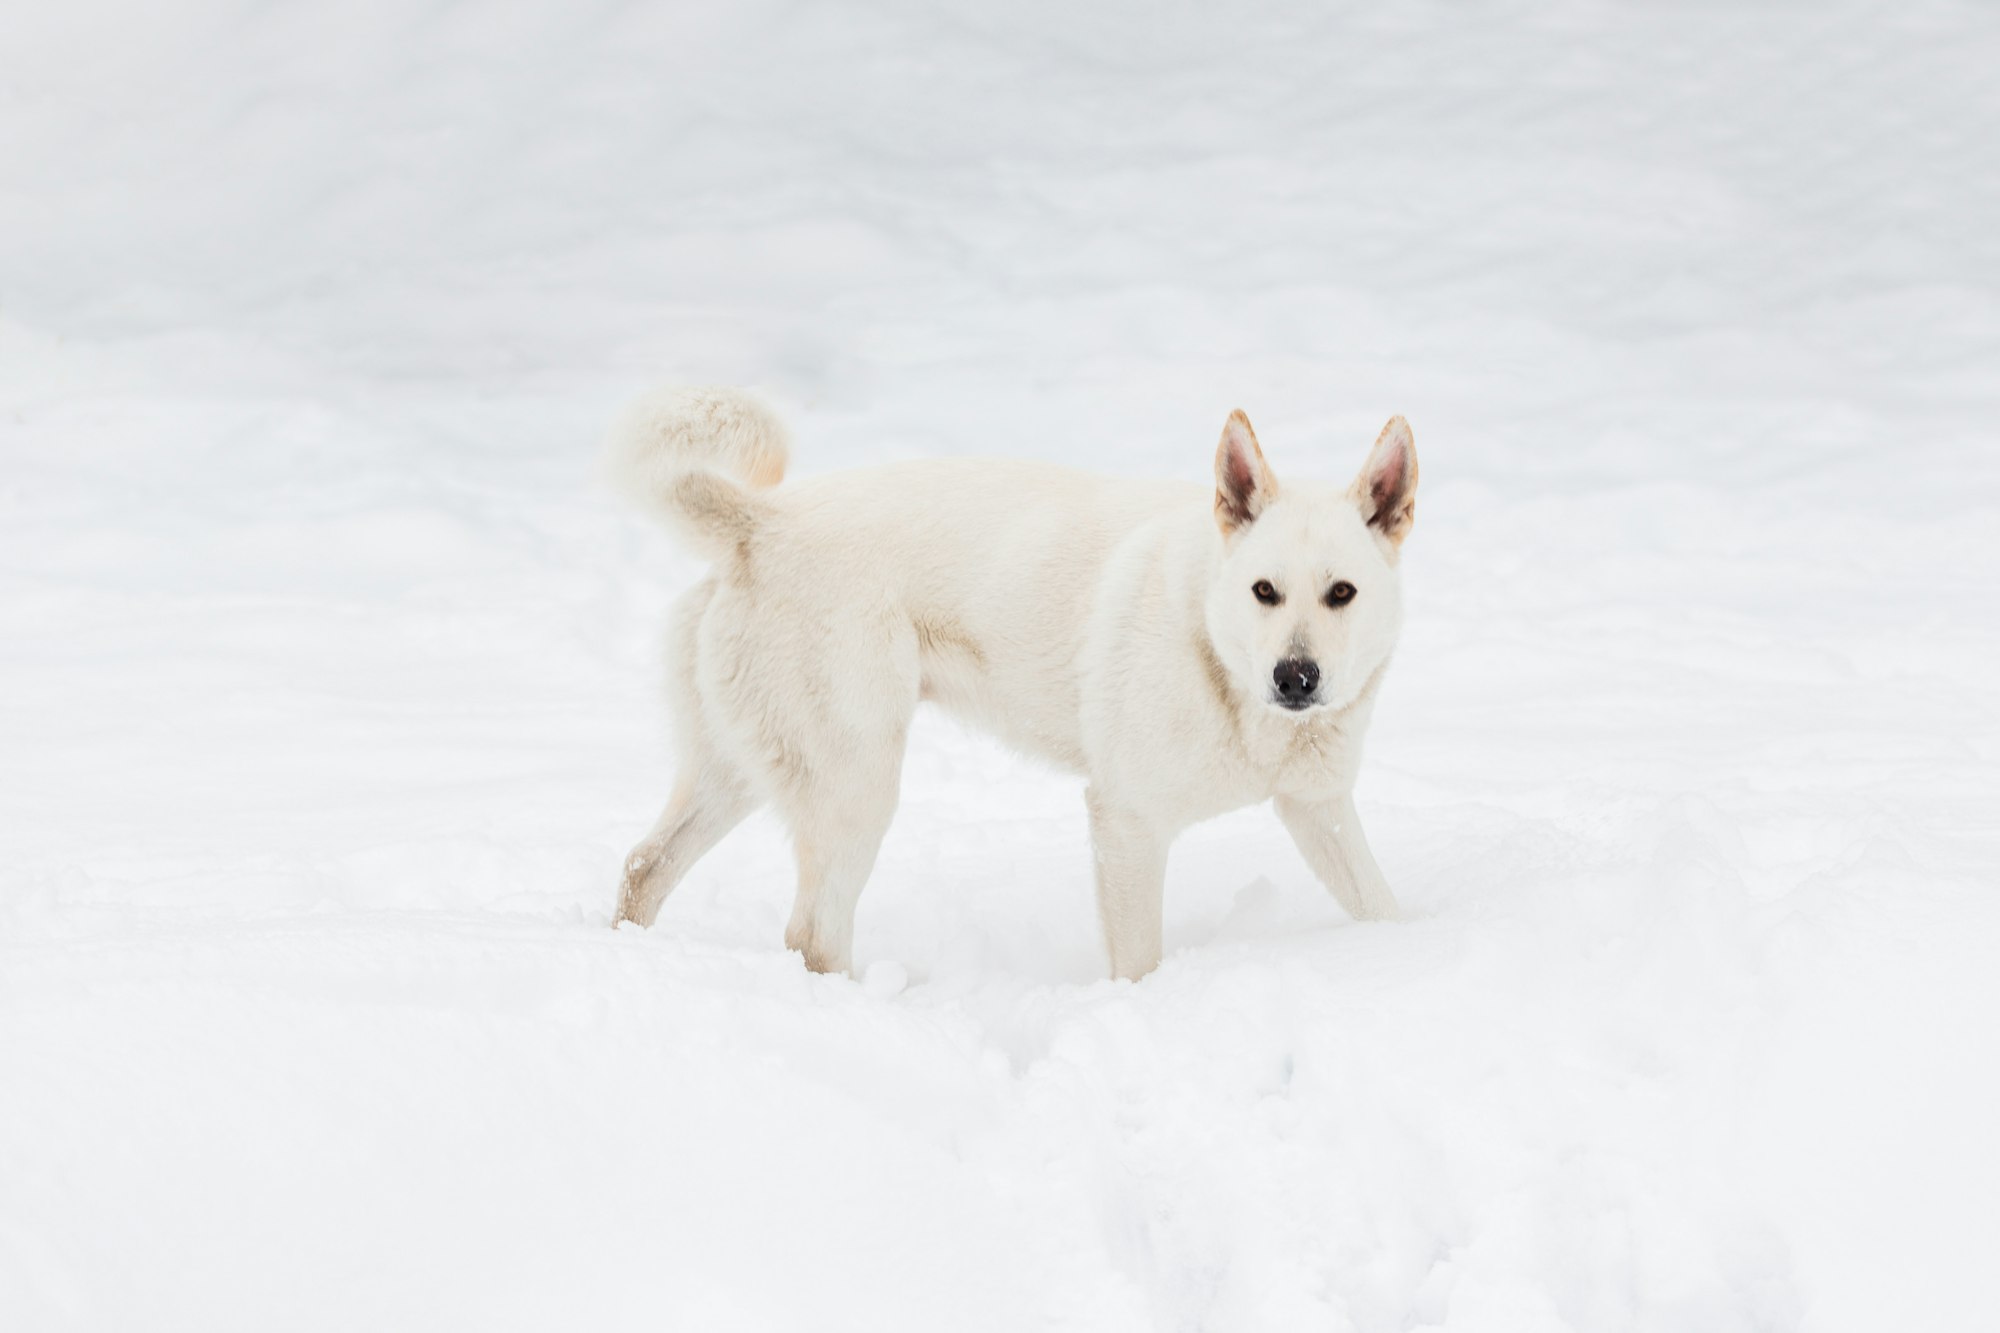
{"x": 689, "y": 452}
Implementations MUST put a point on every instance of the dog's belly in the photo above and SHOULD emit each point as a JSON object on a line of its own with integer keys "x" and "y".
{"x": 1030, "y": 706}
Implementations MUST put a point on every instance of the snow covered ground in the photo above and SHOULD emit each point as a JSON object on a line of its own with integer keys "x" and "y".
{"x": 329, "y": 673}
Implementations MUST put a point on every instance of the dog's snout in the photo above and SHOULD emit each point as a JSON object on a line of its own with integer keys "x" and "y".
{"x": 1296, "y": 678}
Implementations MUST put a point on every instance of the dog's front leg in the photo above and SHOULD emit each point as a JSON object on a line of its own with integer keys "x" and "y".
{"x": 1329, "y": 835}
{"x": 1131, "y": 881}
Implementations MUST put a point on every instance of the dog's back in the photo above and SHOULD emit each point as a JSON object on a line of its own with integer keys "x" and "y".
{"x": 991, "y": 565}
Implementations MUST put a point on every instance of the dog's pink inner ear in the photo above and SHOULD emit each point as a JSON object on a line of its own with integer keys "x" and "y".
{"x": 1243, "y": 481}
{"x": 1387, "y": 486}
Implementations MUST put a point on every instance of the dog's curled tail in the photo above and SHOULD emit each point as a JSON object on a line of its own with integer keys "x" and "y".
{"x": 689, "y": 452}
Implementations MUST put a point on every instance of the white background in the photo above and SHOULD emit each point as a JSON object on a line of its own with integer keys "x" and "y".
{"x": 329, "y": 672}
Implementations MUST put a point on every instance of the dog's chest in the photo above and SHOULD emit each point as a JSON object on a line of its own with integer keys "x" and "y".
{"x": 1288, "y": 759}
{"x": 1310, "y": 763}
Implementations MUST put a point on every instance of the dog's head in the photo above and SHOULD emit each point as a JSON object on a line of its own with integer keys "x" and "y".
{"x": 1306, "y": 602}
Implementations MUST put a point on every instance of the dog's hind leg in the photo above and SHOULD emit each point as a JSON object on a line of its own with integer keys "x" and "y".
{"x": 836, "y": 840}
{"x": 814, "y": 699}
{"x": 709, "y": 800}
{"x": 839, "y": 786}
{"x": 1329, "y": 837}
{"x": 710, "y": 796}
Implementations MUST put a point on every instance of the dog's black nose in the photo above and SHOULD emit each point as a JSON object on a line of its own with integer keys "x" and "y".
{"x": 1296, "y": 679}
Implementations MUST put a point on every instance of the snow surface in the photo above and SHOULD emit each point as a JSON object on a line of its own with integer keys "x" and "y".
{"x": 329, "y": 673}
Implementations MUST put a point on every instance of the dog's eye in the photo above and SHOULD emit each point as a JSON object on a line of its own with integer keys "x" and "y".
{"x": 1265, "y": 592}
{"x": 1340, "y": 594}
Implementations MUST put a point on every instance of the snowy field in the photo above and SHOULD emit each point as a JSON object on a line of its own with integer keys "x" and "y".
{"x": 329, "y": 671}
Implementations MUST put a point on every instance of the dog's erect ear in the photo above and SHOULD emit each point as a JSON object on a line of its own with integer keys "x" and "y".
{"x": 1386, "y": 490}
{"x": 1244, "y": 483}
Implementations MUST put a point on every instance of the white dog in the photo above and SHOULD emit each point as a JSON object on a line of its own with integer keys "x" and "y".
{"x": 1187, "y": 652}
